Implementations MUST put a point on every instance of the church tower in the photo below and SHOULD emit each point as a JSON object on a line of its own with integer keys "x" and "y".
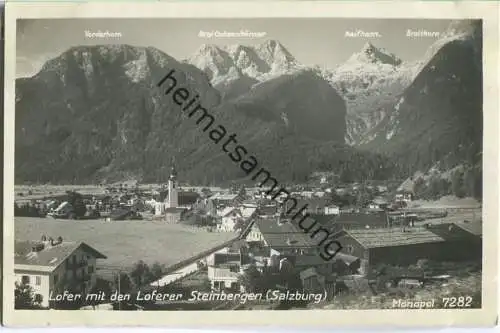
{"x": 172, "y": 189}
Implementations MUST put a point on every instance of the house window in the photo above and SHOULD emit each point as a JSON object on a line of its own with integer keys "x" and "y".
{"x": 25, "y": 279}
{"x": 350, "y": 249}
{"x": 74, "y": 259}
{"x": 56, "y": 277}
{"x": 38, "y": 280}
{"x": 234, "y": 269}
{"x": 91, "y": 269}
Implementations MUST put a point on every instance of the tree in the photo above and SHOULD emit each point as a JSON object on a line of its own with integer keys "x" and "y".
{"x": 206, "y": 192}
{"x": 24, "y": 297}
{"x": 250, "y": 279}
{"x": 101, "y": 285}
{"x": 242, "y": 192}
{"x": 420, "y": 188}
{"x": 124, "y": 285}
{"x": 457, "y": 184}
{"x": 76, "y": 201}
{"x": 156, "y": 271}
{"x": 141, "y": 273}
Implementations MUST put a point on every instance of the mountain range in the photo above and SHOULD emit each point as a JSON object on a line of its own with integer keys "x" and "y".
{"x": 94, "y": 113}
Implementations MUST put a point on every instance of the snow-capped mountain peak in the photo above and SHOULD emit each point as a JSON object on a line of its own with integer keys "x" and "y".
{"x": 211, "y": 59}
{"x": 231, "y": 62}
{"x": 371, "y": 54}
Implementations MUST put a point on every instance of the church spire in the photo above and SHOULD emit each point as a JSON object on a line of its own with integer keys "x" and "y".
{"x": 172, "y": 188}
{"x": 173, "y": 171}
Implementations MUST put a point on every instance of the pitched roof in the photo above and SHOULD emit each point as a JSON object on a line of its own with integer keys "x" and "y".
{"x": 224, "y": 196}
{"x": 283, "y": 234}
{"x": 386, "y": 237}
{"x": 314, "y": 203}
{"x": 267, "y": 210}
{"x": 50, "y": 257}
{"x": 475, "y": 228}
{"x": 228, "y": 210}
{"x": 247, "y": 211}
{"x": 184, "y": 198}
{"x": 119, "y": 213}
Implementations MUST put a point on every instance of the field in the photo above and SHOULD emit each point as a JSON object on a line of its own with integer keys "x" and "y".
{"x": 25, "y": 192}
{"x": 126, "y": 242}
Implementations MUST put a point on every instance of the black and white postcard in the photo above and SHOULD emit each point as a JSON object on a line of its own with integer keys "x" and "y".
{"x": 219, "y": 163}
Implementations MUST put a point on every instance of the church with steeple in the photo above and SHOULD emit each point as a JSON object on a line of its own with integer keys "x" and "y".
{"x": 173, "y": 194}
{"x": 172, "y": 202}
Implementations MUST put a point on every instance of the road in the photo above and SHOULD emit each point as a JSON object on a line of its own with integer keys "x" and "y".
{"x": 176, "y": 275}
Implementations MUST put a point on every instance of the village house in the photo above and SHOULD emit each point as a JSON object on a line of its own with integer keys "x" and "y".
{"x": 230, "y": 217}
{"x": 404, "y": 196}
{"x": 402, "y": 218}
{"x": 382, "y": 189}
{"x": 226, "y": 199}
{"x": 52, "y": 266}
{"x": 307, "y": 194}
{"x": 267, "y": 210}
{"x": 271, "y": 239}
{"x": 332, "y": 210}
{"x": 248, "y": 209}
{"x": 225, "y": 267}
{"x": 378, "y": 204}
{"x": 405, "y": 246}
{"x": 341, "y": 190}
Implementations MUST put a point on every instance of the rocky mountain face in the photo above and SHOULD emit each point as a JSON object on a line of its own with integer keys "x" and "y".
{"x": 234, "y": 69}
{"x": 438, "y": 119}
{"x": 370, "y": 82}
{"x": 95, "y": 113}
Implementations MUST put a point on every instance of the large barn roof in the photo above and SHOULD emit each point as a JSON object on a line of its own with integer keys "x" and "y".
{"x": 387, "y": 237}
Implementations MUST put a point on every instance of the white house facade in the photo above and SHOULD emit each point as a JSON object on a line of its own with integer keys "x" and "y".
{"x": 52, "y": 266}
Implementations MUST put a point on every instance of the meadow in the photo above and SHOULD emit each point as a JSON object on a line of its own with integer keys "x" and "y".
{"x": 126, "y": 242}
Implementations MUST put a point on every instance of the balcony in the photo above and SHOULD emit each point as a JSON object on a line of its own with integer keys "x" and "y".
{"x": 216, "y": 273}
{"x": 77, "y": 264}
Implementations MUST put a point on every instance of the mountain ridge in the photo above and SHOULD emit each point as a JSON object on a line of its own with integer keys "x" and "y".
{"x": 95, "y": 114}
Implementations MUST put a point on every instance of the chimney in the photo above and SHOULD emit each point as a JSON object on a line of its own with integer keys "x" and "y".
{"x": 38, "y": 247}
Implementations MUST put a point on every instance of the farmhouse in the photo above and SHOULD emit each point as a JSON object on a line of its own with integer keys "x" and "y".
{"x": 405, "y": 246}
{"x": 273, "y": 239}
{"x": 52, "y": 266}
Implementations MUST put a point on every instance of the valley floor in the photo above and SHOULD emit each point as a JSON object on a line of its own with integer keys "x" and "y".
{"x": 126, "y": 242}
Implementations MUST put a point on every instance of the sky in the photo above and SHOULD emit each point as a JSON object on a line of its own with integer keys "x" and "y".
{"x": 312, "y": 41}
